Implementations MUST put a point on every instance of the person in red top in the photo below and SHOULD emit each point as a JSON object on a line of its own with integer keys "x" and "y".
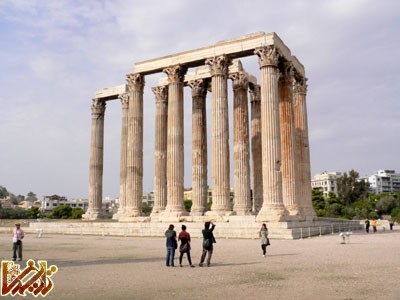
{"x": 18, "y": 235}
{"x": 184, "y": 237}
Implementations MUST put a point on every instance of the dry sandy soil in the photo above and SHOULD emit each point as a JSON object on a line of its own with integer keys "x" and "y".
{"x": 95, "y": 267}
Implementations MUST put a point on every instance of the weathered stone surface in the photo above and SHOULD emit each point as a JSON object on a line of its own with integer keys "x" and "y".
{"x": 160, "y": 150}
{"x": 96, "y": 162}
{"x": 235, "y": 48}
{"x": 199, "y": 147}
{"x": 175, "y": 155}
{"x": 220, "y": 167}
{"x": 288, "y": 140}
{"x": 242, "y": 203}
{"x": 273, "y": 208}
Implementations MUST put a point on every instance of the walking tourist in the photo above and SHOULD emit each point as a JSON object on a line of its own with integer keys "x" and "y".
{"x": 367, "y": 225}
{"x": 18, "y": 235}
{"x": 171, "y": 244}
{"x": 391, "y": 223}
{"x": 374, "y": 224}
{"x": 208, "y": 241}
{"x": 264, "y": 238}
{"x": 184, "y": 237}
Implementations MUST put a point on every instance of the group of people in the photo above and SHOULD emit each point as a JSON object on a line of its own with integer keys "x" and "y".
{"x": 208, "y": 240}
{"x": 374, "y": 225}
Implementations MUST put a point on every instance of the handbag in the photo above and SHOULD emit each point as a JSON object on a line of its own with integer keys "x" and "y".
{"x": 268, "y": 243}
{"x": 184, "y": 248}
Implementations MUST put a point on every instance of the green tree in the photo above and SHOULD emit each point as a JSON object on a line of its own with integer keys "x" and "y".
{"x": 187, "y": 204}
{"x": 318, "y": 202}
{"x": 33, "y": 212}
{"x": 77, "y": 213}
{"x": 3, "y": 192}
{"x": 350, "y": 188}
{"x": 62, "y": 212}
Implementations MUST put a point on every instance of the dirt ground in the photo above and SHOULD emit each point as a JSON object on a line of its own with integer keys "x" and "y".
{"x": 95, "y": 267}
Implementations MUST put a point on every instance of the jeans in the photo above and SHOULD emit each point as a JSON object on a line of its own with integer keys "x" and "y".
{"x": 203, "y": 256}
{"x": 169, "y": 259}
{"x": 16, "y": 248}
{"x": 264, "y": 248}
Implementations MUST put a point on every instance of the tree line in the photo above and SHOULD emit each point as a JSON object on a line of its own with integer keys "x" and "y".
{"x": 60, "y": 212}
{"x": 355, "y": 201}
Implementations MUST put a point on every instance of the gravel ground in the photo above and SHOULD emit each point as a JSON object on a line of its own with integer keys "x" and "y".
{"x": 94, "y": 267}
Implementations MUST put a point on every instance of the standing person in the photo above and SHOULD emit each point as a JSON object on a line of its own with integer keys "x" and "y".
{"x": 208, "y": 241}
{"x": 18, "y": 235}
{"x": 264, "y": 238}
{"x": 373, "y": 223}
{"x": 367, "y": 225}
{"x": 171, "y": 244}
{"x": 391, "y": 223}
{"x": 184, "y": 237}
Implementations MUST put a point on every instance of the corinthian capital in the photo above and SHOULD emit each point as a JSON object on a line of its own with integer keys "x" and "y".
{"x": 161, "y": 93}
{"x": 98, "y": 107}
{"x": 219, "y": 65}
{"x": 255, "y": 93}
{"x": 268, "y": 56}
{"x": 240, "y": 80}
{"x": 135, "y": 81}
{"x": 199, "y": 87}
{"x": 287, "y": 72}
{"x": 300, "y": 86}
{"x": 124, "y": 100}
{"x": 175, "y": 73}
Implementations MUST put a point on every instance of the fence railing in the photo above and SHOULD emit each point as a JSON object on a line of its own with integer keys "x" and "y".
{"x": 307, "y": 232}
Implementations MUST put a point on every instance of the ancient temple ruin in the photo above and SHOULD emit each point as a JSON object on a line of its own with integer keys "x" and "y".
{"x": 276, "y": 136}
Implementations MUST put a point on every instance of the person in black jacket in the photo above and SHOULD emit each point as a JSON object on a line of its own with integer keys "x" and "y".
{"x": 208, "y": 241}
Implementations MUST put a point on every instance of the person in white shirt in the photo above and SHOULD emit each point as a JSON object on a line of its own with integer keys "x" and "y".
{"x": 18, "y": 235}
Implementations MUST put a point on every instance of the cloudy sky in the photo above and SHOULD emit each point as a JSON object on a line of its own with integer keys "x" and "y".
{"x": 54, "y": 55}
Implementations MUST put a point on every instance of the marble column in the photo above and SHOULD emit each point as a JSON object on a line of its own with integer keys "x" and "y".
{"x": 272, "y": 208}
{"x": 160, "y": 155}
{"x": 124, "y": 142}
{"x": 134, "y": 168}
{"x": 241, "y": 149}
{"x": 289, "y": 184}
{"x": 175, "y": 135}
{"x": 256, "y": 163}
{"x": 303, "y": 166}
{"x": 95, "y": 210}
{"x": 199, "y": 147}
{"x": 220, "y": 137}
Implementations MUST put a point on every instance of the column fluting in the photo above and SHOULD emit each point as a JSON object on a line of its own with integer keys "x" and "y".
{"x": 272, "y": 208}
{"x": 303, "y": 158}
{"x": 289, "y": 183}
{"x": 220, "y": 136}
{"x": 256, "y": 169}
{"x": 199, "y": 147}
{"x": 160, "y": 150}
{"x": 94, "y": 210}
{"x": 124, "y": 142}
{"x": 241, "y": 149}
{"x": 175, "y": 142}
{"x": 134, "y": 168}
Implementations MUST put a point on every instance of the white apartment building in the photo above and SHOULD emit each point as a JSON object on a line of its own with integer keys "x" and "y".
{"x": 384, "y": 181}
{"x": 326, "y": 182}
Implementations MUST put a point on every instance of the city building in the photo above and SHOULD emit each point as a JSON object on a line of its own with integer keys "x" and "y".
{"x": 384, "y": 181}
{"x": 51, "y": 202}
{"x": 326, "y": 182}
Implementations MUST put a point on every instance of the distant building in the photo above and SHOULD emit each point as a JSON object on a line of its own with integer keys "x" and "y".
{"x": 326, "y": 182}
{"x": 148, "y": 199}
{"x": 51, "y": 202}
{"x": 384, "y": 181}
